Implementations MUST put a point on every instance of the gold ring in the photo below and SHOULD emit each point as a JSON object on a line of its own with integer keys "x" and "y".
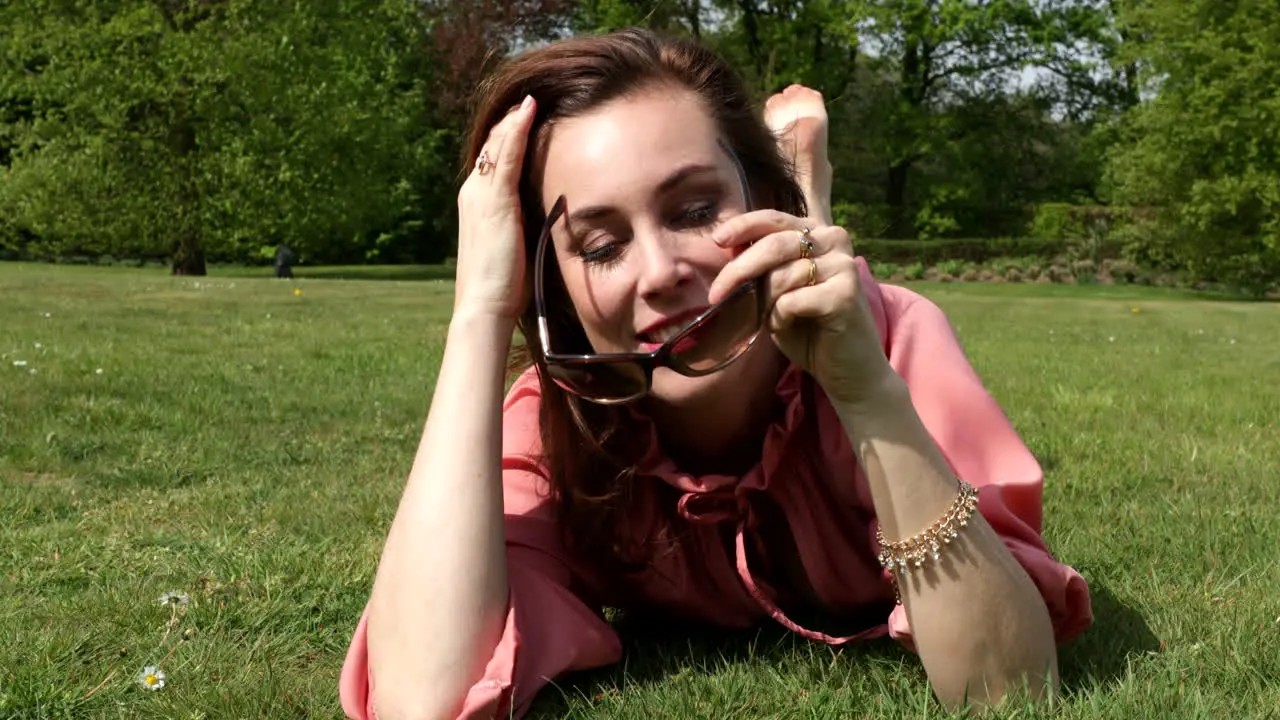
{"x": 813, "y": 272}
{"x": 806, "y": 246}
{"x": 483, "y": 161}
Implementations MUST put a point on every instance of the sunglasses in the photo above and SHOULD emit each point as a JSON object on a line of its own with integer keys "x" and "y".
{"x": 708, "y": 343}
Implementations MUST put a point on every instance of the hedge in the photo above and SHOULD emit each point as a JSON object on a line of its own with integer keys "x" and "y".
{"x": 968, "y": 249}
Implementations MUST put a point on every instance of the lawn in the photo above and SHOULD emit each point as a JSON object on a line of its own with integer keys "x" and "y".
{"x": 243, "y": 440}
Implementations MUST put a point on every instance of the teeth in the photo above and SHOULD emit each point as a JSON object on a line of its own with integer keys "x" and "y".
{"x": 664, "y": 334}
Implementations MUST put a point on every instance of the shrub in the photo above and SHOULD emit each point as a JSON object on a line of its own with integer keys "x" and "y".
{"x": 884, "y": 270}
{"x": 1013, "y": 274}
{"x": 1060, "y": 274}
{"x": 1085, "y": 231}
{"x": 952, "y": 267}
{"x": 1002, "y": 264}
{"x": 1122, "y": 271}
{"x": 914, "y": 271}
{"x": 1084, "y": 271}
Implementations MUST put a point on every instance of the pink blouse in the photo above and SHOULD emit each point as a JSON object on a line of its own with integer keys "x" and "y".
{"x": 551, "y": 628}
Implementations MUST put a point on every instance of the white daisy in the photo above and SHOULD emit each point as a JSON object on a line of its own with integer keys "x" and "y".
{"x": 173, "y": 597}
{"x": 151, "y": 678}
{"x": 19, "y": 363}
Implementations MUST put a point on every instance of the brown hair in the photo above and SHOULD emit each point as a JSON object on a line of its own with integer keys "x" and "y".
{"x": 589, "y": 457}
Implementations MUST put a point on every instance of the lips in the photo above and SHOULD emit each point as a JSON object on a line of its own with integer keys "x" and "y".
{"x": 652, "y": 337}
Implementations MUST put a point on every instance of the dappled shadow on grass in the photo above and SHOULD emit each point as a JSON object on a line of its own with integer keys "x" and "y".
{"x": 1101, "y": 655}
{"x": 656, "y": 650}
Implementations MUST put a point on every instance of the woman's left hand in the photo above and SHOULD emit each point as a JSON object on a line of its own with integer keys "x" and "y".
{"x": 819, "y": 316}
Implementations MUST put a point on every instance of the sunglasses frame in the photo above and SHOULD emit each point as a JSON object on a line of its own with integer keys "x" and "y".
{"x": 663, "y": 356}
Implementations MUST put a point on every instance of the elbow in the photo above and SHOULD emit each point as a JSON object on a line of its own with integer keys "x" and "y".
{"x": 987, "y": 679}
{"x": 401, "y": 706}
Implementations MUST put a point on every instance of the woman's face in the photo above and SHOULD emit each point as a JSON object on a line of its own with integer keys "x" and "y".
{"x": 645, "y": 182}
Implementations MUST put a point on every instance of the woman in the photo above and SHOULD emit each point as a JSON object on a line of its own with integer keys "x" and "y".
{"x": 725, "y": 417}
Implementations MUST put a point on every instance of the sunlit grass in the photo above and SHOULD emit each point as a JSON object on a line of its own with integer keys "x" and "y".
{"x": 230, "y": 439}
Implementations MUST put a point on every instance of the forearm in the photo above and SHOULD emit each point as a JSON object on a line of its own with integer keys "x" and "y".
{"x": 440, "y": 596}
{"x": 978, "y": 621}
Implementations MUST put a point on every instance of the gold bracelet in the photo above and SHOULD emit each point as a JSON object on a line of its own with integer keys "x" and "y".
{"x": 915, "y": 551}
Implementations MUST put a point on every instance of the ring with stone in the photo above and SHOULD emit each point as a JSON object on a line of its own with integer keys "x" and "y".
{"x": 806, "y": 245}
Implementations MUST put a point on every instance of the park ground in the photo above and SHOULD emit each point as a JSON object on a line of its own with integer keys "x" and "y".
{"x": 243, "y": 441}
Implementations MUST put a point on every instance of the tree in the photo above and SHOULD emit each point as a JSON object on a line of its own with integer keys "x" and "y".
{"x": 1202, "y": 154}
{"x": 184, "y": 129}
{"x": 905, "y": 81}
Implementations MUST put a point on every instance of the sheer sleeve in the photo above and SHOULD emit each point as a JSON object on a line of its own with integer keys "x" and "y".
{"x": 549, "y": 629}
{"x": 983, "y": 449}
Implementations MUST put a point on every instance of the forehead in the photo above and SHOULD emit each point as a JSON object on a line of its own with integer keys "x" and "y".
{"x": 619, "y": 153}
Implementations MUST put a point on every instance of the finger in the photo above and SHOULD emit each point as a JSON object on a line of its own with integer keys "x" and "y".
{"x": 511, "y": 161}
{"x": 497, "y": 146}
{"x": 764, "y": 256}
{"x": 835, "y": 289}
{"x": 753, "y": 225}
{"x": 803, "y": 304}
{"x": 770, "y": 253}
{"x": 795, "y": 275}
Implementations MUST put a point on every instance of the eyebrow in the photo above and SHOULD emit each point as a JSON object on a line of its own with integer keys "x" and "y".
{"x": 674, "y": 179}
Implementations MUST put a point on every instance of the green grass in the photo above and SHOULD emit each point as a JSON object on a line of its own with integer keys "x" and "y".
{"x": 247, "y": 445}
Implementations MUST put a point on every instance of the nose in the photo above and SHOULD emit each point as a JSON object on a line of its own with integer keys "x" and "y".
{"x": 662, "y": 267}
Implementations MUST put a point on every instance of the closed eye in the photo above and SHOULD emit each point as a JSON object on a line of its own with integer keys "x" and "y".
{"x": 697, "y": 215}
{"x": 605, "y": 251}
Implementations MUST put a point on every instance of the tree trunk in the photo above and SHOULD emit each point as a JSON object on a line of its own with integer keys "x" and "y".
{"x": 188, "y": 250}
{"x": 895, "y": 193}
{"x": 895, "y": 197}
{"x": 752, "y": 28}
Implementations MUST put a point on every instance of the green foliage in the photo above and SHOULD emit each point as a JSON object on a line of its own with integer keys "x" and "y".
{"x": 1203, "y": 153}
{"x": 218, "y": 130}
{"x": 1090, "y": 232}
{"x": 884, "y": 271}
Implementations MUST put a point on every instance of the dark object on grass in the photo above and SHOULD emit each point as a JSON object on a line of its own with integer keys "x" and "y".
{"x": 285, "y": 258}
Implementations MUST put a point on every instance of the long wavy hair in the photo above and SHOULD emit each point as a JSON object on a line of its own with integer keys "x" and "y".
{"x": 588, "y": 453}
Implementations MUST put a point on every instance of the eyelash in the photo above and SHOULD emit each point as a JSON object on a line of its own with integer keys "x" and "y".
{"x": 606, "y": 252}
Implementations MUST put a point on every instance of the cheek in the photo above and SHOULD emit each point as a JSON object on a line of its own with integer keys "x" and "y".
{"x": 603, "y": 305}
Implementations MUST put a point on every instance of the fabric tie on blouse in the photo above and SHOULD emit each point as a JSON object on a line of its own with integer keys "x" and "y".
{"x": 716, "y": 499}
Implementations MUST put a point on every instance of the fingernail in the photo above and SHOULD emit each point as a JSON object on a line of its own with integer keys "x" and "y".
{"x": 528, "y": 102}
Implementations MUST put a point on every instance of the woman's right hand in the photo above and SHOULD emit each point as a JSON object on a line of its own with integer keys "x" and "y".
{"x": 491, "y": 255}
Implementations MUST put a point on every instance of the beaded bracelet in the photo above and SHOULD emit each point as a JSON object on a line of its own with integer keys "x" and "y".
{"x": 912, "y": 553}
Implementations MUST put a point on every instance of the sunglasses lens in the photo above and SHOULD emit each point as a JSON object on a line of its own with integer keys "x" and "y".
{"x": 601, "y": 381}
{"x": 723, "y": 336}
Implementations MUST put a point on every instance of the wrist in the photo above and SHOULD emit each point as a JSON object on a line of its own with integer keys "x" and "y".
{"x": 884, "y": 399}
{"x": 479, "y": 320}
{"x": 480, "y": 332}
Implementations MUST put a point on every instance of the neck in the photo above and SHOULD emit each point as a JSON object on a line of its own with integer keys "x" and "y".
{"x": 696, "y": 435}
